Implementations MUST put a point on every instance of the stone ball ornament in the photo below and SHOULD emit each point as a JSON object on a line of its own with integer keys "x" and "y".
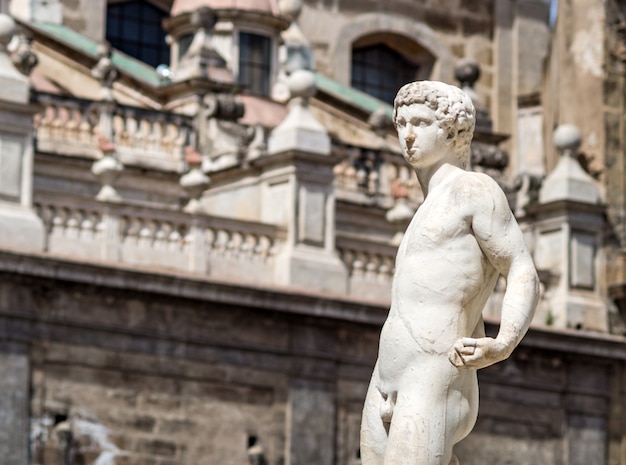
{"x": 301, "y": 83}
{"x": 567, "y": 137}
{"x": 7, "y": 29}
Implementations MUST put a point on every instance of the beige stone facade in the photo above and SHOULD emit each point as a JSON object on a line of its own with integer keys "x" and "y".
{"x": 196, "y": 259}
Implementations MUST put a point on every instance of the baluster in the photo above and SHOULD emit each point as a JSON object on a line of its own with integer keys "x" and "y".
{"x": 85, "y": 129}
{"x": 119, "y": 130}
{"x": 43, "y": 120}
{"x": 87, "y": 226}
{"x": 358, "y": 265}
{"x": 132, "y": 232}
{"x": 146, "y": 234}
{"x": 156, "y": 135}
{"x": 180, "y": 139}
{"x": 234, "y": 245}
{"x": 141, "y": 136}
{"x": 70, "y": 129}
{"x": 161, "y": 236}
{"x": 263, "y": 246}
{"x": 174, "y": 239}
{"x": 210, "y": 237}
{"x": 72, "y": 224}
{"x": 131, "y": 127}
{"x": 168, "y": 142}
{"x": 56, "y": 124}
{"x": 371, "y": 267}
{"x": 248, "y": 246}
{"x": 221, "y": 241}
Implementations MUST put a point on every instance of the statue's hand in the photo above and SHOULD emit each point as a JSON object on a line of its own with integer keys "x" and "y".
{"x": 477, "y": 353}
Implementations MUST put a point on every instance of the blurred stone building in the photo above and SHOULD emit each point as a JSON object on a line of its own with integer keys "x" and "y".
{"x": 200, "y": 202}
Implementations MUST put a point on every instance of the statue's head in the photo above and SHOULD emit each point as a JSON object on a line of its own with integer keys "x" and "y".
{"x": 454, "y": 111}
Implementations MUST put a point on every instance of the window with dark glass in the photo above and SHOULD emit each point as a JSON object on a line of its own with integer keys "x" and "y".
{"x": 135, "y": 29}
{"x": 255, "y": 61}
{"x": 380, "y": 71}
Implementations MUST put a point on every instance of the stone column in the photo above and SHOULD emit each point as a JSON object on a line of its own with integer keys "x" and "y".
{"x": 20, "y": 227}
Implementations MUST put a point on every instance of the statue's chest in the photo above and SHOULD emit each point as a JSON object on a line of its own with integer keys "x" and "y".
{"x": 437, "y": 223}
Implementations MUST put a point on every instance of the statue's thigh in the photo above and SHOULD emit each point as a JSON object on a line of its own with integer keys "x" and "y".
{"x": 373, "y": 431}
{"x": 422, "y": 431}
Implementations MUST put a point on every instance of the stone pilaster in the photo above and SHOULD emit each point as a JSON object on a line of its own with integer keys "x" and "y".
{"x": 569, "y": 242}
{"x": 14, "y": 393}
{"x": 20, "y": 227}
{"x": 300, "y": 147}
{"x": 48, "y": 11}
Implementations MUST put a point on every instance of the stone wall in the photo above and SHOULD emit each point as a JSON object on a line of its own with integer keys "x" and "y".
{"x": 150, "y": 369}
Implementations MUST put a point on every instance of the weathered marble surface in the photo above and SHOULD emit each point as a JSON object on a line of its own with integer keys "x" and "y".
{"x": 423, "y": 395}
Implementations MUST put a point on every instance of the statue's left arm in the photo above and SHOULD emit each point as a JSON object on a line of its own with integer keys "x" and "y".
{"x": 502, "y": 242}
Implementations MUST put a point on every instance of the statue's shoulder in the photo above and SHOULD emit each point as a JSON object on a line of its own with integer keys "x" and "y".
{"x": 471, "y": 181}
{"x": 479, "y": 189}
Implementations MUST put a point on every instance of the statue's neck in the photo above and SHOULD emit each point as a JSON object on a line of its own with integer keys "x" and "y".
{"x": 431, "y": 176}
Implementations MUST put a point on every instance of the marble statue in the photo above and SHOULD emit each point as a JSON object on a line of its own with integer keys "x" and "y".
{"x": 423, "y": 396}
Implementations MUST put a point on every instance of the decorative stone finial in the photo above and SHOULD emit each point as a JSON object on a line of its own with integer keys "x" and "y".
{"x": 567, "y": 139}
{"x": 467, "y": 72}
{"x": 22, "y": 54}
{"x": 380, "y": 120}
{"x": 301, "y": 84}
{"x": 300, "y": 130}
{"x": 105, "y": 71}
{"x": 569, "y": 181}
{"x": 7, "y": 30}
{"x": 14, "y": 86}
{"x": 290, "y": 8}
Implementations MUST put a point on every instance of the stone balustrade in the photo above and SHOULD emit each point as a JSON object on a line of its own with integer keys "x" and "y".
{"x": 368, "y": 176}
{"x": 370, "y": 267}
{"x": 142, "y": 137}
{"x": 66, "y": 126}
{"x": 161, "y": 239}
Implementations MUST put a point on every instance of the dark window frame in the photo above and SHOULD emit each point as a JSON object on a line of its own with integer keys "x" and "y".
{"x": 380, "y": 71}
{"x": 134, "y": 27}
{"x": 255, "y": 62}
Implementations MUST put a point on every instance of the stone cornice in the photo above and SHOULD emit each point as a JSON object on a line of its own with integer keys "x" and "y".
{"x": 189, "y": 286}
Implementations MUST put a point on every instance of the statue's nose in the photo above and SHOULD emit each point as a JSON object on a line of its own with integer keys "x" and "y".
{"x": 410, "y": 136}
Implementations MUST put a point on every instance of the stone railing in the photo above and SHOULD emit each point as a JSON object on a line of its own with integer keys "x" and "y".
{"x": 373, "y": 177}
{"x": 66, "y": 126}
{"x": 149, "y": 138}
{"x": 160, "y": 239}
{"x": 370, "y": 267}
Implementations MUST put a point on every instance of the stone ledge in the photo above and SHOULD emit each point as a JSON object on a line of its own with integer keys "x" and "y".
{"x": 281, "y": 299}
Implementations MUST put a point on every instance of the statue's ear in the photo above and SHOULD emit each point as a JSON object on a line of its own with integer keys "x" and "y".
{"x": 452, "y": 133}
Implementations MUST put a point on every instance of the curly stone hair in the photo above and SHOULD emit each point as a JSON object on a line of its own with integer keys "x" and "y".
{"x": 453, "y": 109}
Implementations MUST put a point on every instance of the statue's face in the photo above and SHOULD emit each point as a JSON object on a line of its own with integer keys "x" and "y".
{"x": 422, "y": 140}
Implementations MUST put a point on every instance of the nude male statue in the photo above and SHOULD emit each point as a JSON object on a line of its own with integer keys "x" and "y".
{"x": 423, "y": 396}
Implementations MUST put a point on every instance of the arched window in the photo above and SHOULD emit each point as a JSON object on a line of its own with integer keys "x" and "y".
{"x": 134, "y": 27}
{"x": 383, "y": 62}
{"x": 381, "y": 71}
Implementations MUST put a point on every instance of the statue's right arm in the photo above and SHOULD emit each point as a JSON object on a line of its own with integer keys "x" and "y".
{"x": 502, "y": 242}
